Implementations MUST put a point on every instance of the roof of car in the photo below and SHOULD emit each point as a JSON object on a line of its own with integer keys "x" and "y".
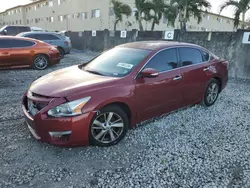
{"x": 38, "y": 32}
{"x": 15, "y": 37}
{"x": 155, "y": 45}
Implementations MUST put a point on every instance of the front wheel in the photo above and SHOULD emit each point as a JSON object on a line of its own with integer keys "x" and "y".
{"x": 109, "y": 126}
{"x": 211, "y": 93}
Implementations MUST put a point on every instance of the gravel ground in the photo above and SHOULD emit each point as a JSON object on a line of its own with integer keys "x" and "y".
{"x": 194, "y": 147}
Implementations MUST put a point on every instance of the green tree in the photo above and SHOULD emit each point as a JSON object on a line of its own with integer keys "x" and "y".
{"x": 186, "y": 9}
{"x": 120, "y": 9}
{"x": 141, "y": 13}
{"x": 240, "y": 9}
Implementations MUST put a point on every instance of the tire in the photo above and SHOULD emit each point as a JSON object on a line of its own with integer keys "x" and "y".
{"x": 40, "y": 62}
{"x": 61, "y": 51}
{"x": 211, "y": 93}
{"x": 101, "y": 133}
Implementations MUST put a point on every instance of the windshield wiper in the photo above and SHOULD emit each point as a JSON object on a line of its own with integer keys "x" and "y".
{"x": 93, "y": 72}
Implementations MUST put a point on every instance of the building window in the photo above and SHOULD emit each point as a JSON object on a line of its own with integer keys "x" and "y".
{"x": 111, "y": 11}
{"x": 50, "y": 3}
{"x": 51, "y": 19}
{"x": 28, "y": 21}
{"x": 95, "y": 13}
{"x": 228, "y": 21}
{"x": 84, "y": 15}
{"x": 35, "y": 7}
{"x": 60, "y": 18}
{"x": 208, "y": 17}
{"x": 16, "y": 22}
{"x": 20, "y": 21}
{"x": 59, "y": 2}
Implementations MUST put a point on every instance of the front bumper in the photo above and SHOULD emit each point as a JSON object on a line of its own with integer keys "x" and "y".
{"x": 65, "y": 131}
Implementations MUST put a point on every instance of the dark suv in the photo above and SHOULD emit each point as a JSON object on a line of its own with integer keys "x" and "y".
{"x": 13, "y": 30}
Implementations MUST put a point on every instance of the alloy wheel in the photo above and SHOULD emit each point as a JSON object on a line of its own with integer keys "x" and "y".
{"x": 41, "y": 62}
{"x": 212, "y": 93}
{"x": 107, "y": 127}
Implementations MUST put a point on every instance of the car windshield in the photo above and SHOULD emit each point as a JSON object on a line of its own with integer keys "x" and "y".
{"x": 2, "y": 29}
{"x": 117, "y": 62}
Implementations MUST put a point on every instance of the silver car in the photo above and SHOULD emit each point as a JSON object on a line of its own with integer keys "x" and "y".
{"x": 62, "y": 42}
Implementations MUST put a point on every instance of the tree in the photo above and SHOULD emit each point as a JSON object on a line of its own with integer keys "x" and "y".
{"x": 187, "y": 8}
{"x": 120, "y": 9}
{"x": 240, "y": 9}
{"x": 155, "y": 12}
{"x": 142, "y": 7}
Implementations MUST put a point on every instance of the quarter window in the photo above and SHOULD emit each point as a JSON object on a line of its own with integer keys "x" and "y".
{"x": 164, "y": 61}
{"x": 46, "y": 37}
{"x": 206, "y": 56}
{"x": 190, "y": 56}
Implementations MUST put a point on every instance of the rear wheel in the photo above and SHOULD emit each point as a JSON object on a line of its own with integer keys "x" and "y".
{"x": 40, "y": 62}
{"x": 61, "y": 51}
{"x": 109, "y": 126}
{"x": 211, "y": 93}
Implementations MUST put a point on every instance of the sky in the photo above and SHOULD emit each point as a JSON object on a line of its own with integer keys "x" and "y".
{"x": 5, "y": 4}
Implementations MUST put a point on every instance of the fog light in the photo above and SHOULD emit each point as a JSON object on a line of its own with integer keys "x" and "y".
{"x": 60, "y": 136}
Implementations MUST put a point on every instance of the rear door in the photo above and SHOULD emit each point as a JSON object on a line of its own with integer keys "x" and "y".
{"x": 5, "y": 53}
{"x": 21, "y": 52}
{"x": 159, "y": 95}
{"x": 196, "y": 73}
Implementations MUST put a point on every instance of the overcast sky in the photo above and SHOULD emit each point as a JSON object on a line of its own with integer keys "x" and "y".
{"x": 5, "y": 4}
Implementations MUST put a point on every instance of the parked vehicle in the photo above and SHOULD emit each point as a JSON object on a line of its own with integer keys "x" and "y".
{"x": 99, "y": 101}
{"x": 36, "y": 29}
{"x": 13, "y": 30}
{"x": 63, "y": 45}
{"x": 17, "y": 52}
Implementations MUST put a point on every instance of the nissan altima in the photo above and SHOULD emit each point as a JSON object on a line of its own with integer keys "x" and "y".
{"x": 97, "y": 102}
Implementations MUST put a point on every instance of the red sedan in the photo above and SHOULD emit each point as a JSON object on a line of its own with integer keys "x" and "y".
{"x": 96, "y": 103}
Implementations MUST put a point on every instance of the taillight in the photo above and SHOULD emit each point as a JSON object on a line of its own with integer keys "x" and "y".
{"x": 66, "y": 43}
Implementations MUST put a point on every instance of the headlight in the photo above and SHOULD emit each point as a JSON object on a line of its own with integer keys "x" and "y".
{"x": 69, "y": 109}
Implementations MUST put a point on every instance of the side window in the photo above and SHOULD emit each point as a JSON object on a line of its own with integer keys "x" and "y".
{"x": 47, "y": 37}
{"x": 33, "y": 36}
{"x": 20, "y": 43}
{"x": 4, "y": 43}
{"x": 23, "y": 29}
{"x": 11, "y": 30}
{"x": 190, "y": 56}
{"x": 206, "y": 56}
{"x": 164, "y": 60}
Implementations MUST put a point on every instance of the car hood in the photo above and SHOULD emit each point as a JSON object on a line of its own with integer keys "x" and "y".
{"x": 67, "y": 82}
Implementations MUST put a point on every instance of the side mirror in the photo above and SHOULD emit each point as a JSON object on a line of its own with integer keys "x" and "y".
{"x": 5, "y": 32}
{"x": 149, "y": 73}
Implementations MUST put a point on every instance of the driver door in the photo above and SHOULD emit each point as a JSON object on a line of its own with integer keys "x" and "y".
{"x": 162, "y": 94}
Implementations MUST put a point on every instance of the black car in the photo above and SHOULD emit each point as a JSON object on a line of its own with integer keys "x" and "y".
{"x": 13, "y": 30}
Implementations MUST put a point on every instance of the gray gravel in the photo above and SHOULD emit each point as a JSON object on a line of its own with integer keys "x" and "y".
{"x": 194, "y": 147}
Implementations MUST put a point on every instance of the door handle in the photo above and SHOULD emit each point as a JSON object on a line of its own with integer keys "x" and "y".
{"x": 177, "y": 78}
{"x": 206, "y": 69}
